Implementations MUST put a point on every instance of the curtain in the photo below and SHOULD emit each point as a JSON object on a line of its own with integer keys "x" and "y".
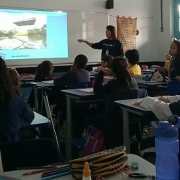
{"x": 126, "y": 32}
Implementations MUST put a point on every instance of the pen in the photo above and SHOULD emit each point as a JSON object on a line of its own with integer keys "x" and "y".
{"x": 55, "y": 172}
{"x": 38, "y": 171}
{"x": 7, "y": 177}
{"x": 56, "y": 176}
{"x": 34, "y": 167}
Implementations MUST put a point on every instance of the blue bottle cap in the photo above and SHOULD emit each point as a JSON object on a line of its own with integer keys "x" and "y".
{"x": 166, "y": 130}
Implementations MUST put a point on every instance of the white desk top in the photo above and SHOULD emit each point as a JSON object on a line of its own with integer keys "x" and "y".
{"x": 39, "y": 119}
{"x": 130, "y": 104}
{"x": 148, "y": 70}
{"x": 77, "y": 92}
{"x": 144, "y": 167}
{"x": 43, "y": 84}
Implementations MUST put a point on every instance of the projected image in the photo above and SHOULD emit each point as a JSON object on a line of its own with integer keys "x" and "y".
{"x": 22, "y": 31}
{"x": 32, "y": 35}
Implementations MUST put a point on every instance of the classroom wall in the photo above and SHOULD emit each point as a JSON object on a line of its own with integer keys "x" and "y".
{"x": 147, "y": 12}
{"x": 163, "y": 39}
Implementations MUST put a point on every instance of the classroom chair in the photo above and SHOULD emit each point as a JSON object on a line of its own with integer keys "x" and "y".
{"x": 28, "y": 93}
{"x": 29, "y": 153}
{"x": 113, "y": 115}
{"x": 26, "y": 90}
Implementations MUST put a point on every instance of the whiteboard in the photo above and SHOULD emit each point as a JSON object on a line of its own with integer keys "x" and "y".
{"x": 81, "y": 25}
{"x": 89, "y": 26}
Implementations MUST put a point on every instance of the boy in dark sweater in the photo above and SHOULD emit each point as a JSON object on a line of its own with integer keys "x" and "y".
{"x": 77, "y": 73}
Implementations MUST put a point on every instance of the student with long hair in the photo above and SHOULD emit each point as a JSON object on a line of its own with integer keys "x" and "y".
{"x": 110, "y": 46}
{"x": 122, "y": 79}
{"x": 174, "y": 52}
{"x": 15, "y": 79}
{"x": 15, "y": 112}
{"x": 110, "y": 121}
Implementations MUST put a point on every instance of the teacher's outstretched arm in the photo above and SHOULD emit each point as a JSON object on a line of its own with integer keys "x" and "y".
{"x": 84, "y": 41}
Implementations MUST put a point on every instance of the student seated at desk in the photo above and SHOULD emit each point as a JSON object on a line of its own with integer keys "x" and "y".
{"x": 121, "y": 81}
{"x": 174, "y": 51}
{"x": 44, "y": 71}
{"x": 15, "y": 112}
{"x": 163, "y": 108}
{"x": 77, "y": 73}
{"x": 106, "y": 62}
{"x": 109, "y": 121}
{"x": 133, "y": 58}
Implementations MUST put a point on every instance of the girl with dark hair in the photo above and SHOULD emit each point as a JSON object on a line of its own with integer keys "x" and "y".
{"x": 44, "y": 71}
{"x": 110, "y": 121}
{"x": 110, "y": 46}
{"x": 122, "y": 79}
{"x": 174, "y": 52}
{"x": 15, "y": 112}
{"x": 15, "y": 79}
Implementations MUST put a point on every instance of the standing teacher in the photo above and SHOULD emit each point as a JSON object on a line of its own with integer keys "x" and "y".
{"x": 110, "y": 46}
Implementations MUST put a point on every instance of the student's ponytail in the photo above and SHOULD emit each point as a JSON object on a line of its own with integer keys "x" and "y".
{"x": 121, "y": 73}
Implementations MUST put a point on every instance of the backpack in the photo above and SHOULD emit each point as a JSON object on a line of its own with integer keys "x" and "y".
{"x": 94, "y": 143}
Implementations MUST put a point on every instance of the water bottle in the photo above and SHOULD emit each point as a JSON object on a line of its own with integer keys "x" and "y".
{"x": 167, "y": 149}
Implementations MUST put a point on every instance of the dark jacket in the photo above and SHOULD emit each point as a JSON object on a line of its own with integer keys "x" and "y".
{"x": 175, "y": 68}
{"x": 70, "y": 77}
{"x": 110, "y": 87}
{"x": 13, "y": 117}
{"x": 41, "y": 77}
{"x": 109, "y": 47}
{"x": 175, "y": 108}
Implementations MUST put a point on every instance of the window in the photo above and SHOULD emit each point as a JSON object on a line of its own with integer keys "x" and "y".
{"x": 176, "y": 9}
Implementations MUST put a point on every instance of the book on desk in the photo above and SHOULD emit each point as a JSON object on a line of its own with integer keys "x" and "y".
{"x": 86, "y": 90}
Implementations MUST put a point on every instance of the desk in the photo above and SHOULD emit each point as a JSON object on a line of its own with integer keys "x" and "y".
{"x": 150, "y": 84}
{"x": 77, "y": 95}
{"x": 48, "y": 84}
{"x": 144, "y": 167}
{"x": 128, "y": 107}
{"x": 148, "y": 71}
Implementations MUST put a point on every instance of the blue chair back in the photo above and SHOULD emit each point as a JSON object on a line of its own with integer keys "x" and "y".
{"x": 173, "y": 88}
{"x": 80, "y": 85}
{"x": 26, "y": 90}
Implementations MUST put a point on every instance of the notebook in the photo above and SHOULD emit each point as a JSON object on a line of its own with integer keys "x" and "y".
{"x": 87, "y": 90}
{"x": 48, "y": 82}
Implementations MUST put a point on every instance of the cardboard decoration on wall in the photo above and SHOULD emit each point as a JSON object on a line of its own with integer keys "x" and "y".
{"x": 126, "y": 32}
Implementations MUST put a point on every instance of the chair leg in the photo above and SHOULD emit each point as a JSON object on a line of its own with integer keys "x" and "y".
{"x": 1, "y": 166}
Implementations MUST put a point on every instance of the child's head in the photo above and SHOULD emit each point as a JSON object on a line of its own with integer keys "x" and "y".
{"x": 111, "y": 32}
{"x": 106, "y": 61}
{"x": 15, "y": 79}
{"x": 80, "y": 62}
{"x": 45, "y": 68}
{"x": 132, "y": 56}
{"x": 119, "y": 67}
{"x": 174, "y": 49}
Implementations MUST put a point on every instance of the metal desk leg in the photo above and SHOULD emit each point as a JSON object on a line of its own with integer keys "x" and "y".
{"x": 68, "y": 134}
{"x": 35, "y": 99}
{"x": 126, "y": 130}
